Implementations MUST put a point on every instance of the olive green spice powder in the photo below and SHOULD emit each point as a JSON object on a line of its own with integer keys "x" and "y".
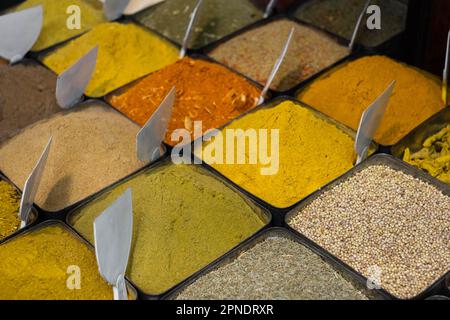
{"x": 184, "y": 219}
{"x": 216, "y": 19}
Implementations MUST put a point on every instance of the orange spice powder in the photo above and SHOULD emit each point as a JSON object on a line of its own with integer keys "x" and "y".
{"x": 205, "y": 91}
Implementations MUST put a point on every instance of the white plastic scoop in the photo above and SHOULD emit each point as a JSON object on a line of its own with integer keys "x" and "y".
{"x": 357, "y": 27}
{"x": 19, "y": 32}
{"x": 32, "y": 185}
{"x": 149, "y": 140}
{"x": 72, "y": 83}
{"x": 275, "y": 68}
{"x": 190, "y": 26}
{"x": 114, "y": 9}
{"x": 113, "y": 231}
{"x": 370, "y": 122}
{"x": 269, "y": 9}
{"x": 445, "y": 72}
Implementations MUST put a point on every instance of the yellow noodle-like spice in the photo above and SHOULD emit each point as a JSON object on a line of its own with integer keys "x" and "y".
{"x": 126, "y": 53}
{"x": 434, "y": 157}
{"x": 312, "y": 153}
{"x": 36, "y": 266}
{"x": 347, "y": 91}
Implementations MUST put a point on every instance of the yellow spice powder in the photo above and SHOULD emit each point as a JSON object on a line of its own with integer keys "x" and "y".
{"x": 36, "y": 265}
{"x": 347, "y": 91}
{"x": 9, "y": 210}
{"x": 57, "y": 16}
{"x": 312, "y": 152}
{"x": 126, "y": 53}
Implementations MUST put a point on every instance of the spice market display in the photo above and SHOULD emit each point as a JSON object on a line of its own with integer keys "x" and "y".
{"x": 223, "y": 151}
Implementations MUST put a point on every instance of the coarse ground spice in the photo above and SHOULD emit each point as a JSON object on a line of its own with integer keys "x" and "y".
{"x": 434, "y": 157}
{"x": 56, "y": 18}
{"x": 216, "y": 19}
{"x": 206, "y": 92}
{"x": 348, "y": 90}
{"x": 275, "y": 268}
{"x": 27, "y": 95}
{"x": 36, "y": 266}
{"x": 254, "y": 53}
{"x": 126, "y": 53}
{"x": 184, "y": 217}
{"x": 9, "y": 210}
{"x": 93, "y": 147}
{"x": 340, "y": 17}
{"x": 383, "y": 218}
{"x": 312, "y": 152}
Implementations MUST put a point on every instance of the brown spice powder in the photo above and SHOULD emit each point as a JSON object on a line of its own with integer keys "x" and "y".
{"x": 27, "y": 95}
{"x": 254, "y": 52}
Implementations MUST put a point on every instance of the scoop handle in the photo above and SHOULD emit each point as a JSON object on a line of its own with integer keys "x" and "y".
{"x": 120, "y": 289}
{"x": 445, "y": 72}
{"x": 269, "y": 8}
{"x": 358, "y": 26}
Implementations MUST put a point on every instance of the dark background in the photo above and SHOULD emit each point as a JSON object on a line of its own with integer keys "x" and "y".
{"x": 425, "y": 38}
{"x": 423, "y": 43}
{"x": 9, "y": 3}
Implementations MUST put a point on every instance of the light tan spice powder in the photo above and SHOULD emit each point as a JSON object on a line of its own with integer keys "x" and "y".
{"x": 93, "y": 147}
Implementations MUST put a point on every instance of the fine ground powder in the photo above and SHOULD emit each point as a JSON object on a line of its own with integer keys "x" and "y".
{"x": 9, "y": 210}
{"x": 206, "y": 92}
{"x": 383, "y": 219}
{"x": 340, "y": 17}
{"x": 27, "y": 95}
{"x": 275, "y": 268}
{"x": 347, "y": 91}
{"x": 216, "y": 19}
{"x": 184, "y": 218}
{"x": 35, "y": 266}
{"x": 56, "y": 17}
{"x": 312, "y": 152}
{"x": 254, "y": 53}
{"x": 126, "y": 53}
{"x": 93, "y": 147}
